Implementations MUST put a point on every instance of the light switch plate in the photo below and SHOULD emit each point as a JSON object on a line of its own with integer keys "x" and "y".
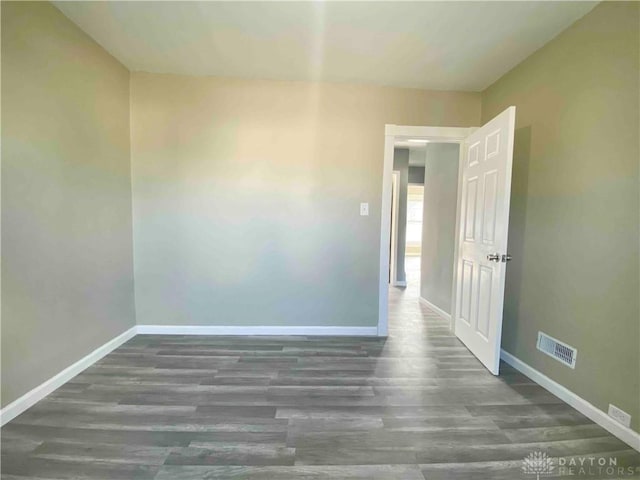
{"x": 364, "y": 209}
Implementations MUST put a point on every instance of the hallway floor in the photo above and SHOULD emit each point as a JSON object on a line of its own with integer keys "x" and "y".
{"x": 416, "y": 405}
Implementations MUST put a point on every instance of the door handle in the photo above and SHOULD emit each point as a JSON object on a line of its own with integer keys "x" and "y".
{"x": 493, "y": 257}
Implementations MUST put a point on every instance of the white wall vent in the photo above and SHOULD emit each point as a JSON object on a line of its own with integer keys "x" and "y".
{"x": 555, "y": 348}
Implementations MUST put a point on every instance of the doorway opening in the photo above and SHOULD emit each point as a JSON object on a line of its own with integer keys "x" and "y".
{"x": 469, "y": 267}
{"x": 408, "y": 143}
{"x": 423, "y": 224}
{"x": 406, "y": 214}
{"x": 413, "y": 237}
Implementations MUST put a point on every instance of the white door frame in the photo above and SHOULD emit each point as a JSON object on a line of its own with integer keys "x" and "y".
{"x": 395, "y": 197}
{"x": 391, "y": 133}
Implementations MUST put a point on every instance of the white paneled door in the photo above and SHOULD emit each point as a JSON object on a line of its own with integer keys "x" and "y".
{"x": 482, "y": 242}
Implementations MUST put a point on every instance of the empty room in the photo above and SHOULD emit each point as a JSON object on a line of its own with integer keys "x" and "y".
{"x": 320, "y": 240}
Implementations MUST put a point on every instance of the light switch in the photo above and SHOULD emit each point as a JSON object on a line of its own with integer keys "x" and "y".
{"x": 364, "y": 209}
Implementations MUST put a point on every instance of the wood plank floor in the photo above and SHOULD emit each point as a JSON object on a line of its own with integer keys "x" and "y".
{"x": 414, "y": 406}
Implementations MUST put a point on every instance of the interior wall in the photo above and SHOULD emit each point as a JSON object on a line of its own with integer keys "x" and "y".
{"x": 439, "y": 224}
{"x": 67, "y": 268}
{"x": 401, "y": 165}
{"x": 246, "y": 196}
{"x": 416, "y": 175}
{"x": 574, "y": 211}
{"x": 417, "y": 155}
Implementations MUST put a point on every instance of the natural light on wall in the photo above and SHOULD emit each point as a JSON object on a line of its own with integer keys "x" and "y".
{"x": 414, "y": 219}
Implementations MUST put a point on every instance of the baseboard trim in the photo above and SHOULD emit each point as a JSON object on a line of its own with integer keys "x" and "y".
{"x": 400, "y": 283}
{"x": 436, "y": 309}
{"x": 18, "y": 406}
{"x": 255, "y": 330}
{"x": 625, "y": 434}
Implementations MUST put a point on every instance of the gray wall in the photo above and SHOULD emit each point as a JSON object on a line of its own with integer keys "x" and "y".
{"x": 401, "y": 165}
{"x": 416, "y": 175}
{"x": 67, "y": 271}
{"x": 246, "y": 196}
{"x": 439, "y": 222}
{"x": 573, "y": 229}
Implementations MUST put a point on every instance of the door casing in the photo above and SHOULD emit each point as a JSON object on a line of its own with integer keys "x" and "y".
{"x": 395, "y": 200}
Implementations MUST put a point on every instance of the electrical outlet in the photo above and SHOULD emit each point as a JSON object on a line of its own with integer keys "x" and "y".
{"x": 619, "y": 416}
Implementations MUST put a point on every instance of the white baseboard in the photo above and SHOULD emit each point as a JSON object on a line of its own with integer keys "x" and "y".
{"x": 18, "y": 406}
{"x": 400, "y": 283}
{"x": 625, "y": 434}
{"x": 255, "y": 330}
{"x": 438, "y": 310}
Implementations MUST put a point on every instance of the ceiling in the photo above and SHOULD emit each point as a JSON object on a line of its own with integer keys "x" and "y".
{"x": 434, "y": 45}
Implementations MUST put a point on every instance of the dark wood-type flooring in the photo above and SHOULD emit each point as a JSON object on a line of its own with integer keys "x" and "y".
{"x": 417, "y": 405}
